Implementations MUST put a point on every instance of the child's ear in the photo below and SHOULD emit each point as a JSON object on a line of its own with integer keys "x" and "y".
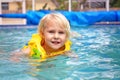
{"x": 42, "y": 34}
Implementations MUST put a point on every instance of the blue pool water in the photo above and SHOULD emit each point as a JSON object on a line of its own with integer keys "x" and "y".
{"x": 98, "y": 49}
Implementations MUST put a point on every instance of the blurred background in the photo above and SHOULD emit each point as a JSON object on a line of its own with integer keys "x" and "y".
{"x": 15, "y": 6}
{"x": 23, "y": 6}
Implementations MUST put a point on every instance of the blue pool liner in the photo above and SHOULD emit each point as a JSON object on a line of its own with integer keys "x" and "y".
{"x": 75, "y": 18}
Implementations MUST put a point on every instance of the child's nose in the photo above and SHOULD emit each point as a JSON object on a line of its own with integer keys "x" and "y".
{"x": 56, "y": 36}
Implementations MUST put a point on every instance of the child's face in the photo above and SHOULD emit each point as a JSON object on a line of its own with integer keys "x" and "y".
{"x": 54, "y": 36}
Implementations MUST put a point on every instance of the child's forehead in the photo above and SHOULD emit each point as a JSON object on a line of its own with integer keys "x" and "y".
{"x": 51, "y": 22}
{"x": 54, "y": 23}
{"x": 54, "y": 26}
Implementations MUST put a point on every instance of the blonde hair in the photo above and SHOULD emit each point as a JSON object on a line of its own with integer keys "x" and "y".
{"x": 58, "y": 18}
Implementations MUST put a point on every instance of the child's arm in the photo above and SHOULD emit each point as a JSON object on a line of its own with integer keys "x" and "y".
{"x": 18, "y": 54}
{"x": 71, "y": 54}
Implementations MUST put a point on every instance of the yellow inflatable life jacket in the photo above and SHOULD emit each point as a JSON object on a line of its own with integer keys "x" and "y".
{"x": 37, "y": 51}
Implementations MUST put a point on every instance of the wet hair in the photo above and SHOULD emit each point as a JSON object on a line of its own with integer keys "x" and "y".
{"x": 58, "y": 19}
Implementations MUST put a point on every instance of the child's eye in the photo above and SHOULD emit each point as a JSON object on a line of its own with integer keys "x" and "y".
{"x": 51, "y": 31}
{"x": 61, "y": 32}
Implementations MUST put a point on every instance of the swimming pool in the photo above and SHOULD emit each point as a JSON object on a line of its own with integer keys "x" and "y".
{"x": 98, "y": 50}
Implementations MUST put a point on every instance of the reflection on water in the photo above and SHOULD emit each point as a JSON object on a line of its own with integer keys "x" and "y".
{"x": 98, "y": 49}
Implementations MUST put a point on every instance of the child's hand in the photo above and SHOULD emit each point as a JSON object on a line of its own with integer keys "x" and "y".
{"x": 15, "y": 59}
{"x": 17, "y": 55}
{"x": 71, "y": 54}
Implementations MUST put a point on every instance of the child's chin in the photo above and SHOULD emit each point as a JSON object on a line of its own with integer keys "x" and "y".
{"x": 56, "y": 48}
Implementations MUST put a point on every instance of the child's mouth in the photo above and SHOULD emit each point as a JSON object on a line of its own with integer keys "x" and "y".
{"x": 55, "y": 42}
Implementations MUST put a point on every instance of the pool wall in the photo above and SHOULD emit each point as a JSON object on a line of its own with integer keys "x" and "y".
{"x": 75, "y": 18}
